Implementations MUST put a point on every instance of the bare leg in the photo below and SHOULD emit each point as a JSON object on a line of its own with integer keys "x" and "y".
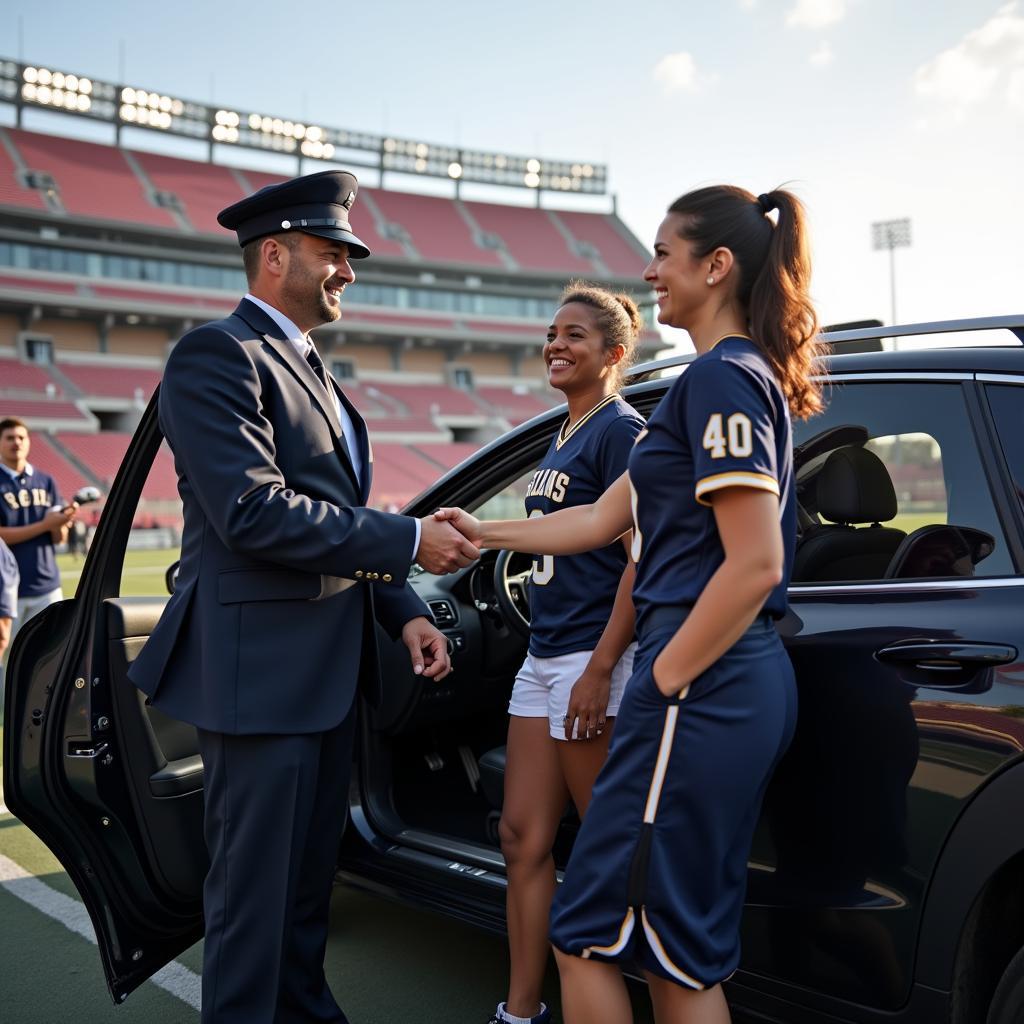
{"x": 535, "y": 797}
{"x": 593, "y": 992}
{"x": 581, "y": 760}
{"x": 675, "y": 1004}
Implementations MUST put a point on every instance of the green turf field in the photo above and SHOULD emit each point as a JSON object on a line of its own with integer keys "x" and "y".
{"x": 142, "y": 576}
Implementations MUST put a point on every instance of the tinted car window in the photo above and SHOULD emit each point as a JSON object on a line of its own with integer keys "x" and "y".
{"x": 937, "y": 520}
{"x": 1007, "y": 404}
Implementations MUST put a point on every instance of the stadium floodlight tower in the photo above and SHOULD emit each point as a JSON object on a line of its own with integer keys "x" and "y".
{"x": 891, "y": 235}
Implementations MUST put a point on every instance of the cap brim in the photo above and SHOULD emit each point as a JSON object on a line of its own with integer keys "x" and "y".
{"x": 357, "y": 249}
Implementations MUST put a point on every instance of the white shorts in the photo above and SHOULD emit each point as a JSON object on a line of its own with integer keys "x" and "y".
{"x": 543, "y": 685}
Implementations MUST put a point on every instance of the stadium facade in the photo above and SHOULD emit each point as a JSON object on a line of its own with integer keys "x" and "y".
{"x": 109, "y": 252}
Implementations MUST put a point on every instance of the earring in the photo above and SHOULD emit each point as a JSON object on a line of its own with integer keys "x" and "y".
{"x": 711, "y": 280}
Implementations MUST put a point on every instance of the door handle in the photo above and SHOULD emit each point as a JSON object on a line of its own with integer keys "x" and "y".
{"x": 955, "y": 659}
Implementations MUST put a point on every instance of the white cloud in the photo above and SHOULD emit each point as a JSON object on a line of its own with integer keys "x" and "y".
{"x": 987, "y": 63}
{"x": 823, "y": 55}
{"x": 677, "y": 72}
{"x": 748, "y": 5}
{"x": 816, "y": 13}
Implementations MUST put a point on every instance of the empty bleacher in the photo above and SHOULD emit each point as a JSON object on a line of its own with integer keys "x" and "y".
{"x": 103, "y": 453}
{"x": 43, "y": 455}
{"x": 108, "y": 380}
{"x": 12, "y": 192}
{"x": 430, "y": 399}
{"x": 26, "y": 378}
{"x": 446, "y": 456}
{"x": 530, "y": 236}
{"x": 516, "y": 405}
{"x": 40, "y": 413}
{"x": 599, "y": 231}
{"x": 435, "y": 227}
{"x": 202, "y": 190}
{"x": 92, "y": 180}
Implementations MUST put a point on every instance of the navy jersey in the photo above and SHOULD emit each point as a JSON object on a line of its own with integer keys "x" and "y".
{"x": 723, "y": 423}
{"x": 571, "y": 596}
{"x": 24, "y": 500}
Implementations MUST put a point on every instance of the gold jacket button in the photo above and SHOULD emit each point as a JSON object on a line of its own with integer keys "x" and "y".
{"x": 359, "y": 574}
{"x": 387, "y": 577}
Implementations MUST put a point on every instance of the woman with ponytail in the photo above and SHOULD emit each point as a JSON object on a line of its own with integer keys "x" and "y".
{"x": 658, "y": 873}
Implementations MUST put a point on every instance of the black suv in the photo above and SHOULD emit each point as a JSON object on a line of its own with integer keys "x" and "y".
{"x": 886, "y": 881}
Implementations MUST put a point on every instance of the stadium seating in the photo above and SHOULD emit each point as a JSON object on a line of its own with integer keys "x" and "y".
{"x": 435, "y": 228}
{"x": 430, "y": 399}
{"x": 615, "y": 252}
{"x": 110, "y": 380}
{"x": 446, "y": 455}
{"x": 41, "y": 412}
{"x": 201, "y": 189}
{"x": 92, "y": 180}
{"x": 26, "y": 377}
{"x": 399, "y": 474}
{"x": 43, "y": 455}
{"x": 103, "y": 453}
{"x": 519, "y": 405}
{"x": 12, "y": 192}
{"x": 530, "y": 236}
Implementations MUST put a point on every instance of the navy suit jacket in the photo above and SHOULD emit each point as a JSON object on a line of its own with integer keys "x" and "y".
{"x": 264, "y": 632}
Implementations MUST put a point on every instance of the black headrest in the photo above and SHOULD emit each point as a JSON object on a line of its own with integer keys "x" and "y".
{"x": 854, "y": 487}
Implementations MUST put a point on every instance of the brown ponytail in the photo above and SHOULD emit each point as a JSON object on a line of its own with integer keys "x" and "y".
{"x": 774, "y": 266}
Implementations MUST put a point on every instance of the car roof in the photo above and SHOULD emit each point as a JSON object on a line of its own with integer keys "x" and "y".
{"x": 968, "y": 359}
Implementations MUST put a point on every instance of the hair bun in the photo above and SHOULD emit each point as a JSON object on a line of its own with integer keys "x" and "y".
{"x": 632, "y": 311}
{"x": 766, "y": 203}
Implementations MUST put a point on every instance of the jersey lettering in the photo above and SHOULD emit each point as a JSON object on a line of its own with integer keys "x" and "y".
{"x": 548, "y": 483}
{"x": 543, "y": 570}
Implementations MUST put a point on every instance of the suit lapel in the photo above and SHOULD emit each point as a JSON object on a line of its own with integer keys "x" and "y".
{"x": 362, "y": 440}
{"x": 286, "y": 353}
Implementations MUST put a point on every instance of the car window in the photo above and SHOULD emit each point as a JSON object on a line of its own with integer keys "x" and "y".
{"x": 155, "y": 540}
{"x": 1006, "y": 400}
{"x": 908, "y": 440}
{"x": 508, "y": 503}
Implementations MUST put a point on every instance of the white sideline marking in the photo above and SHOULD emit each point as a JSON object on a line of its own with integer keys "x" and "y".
{"x": 175, "y": 978}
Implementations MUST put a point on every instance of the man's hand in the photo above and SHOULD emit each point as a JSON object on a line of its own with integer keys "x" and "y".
{"x": 442, "y": 548}
{"x": 428, "y": 648}
{"x": 588, "y": 703}
{"x": 58, "y": 520}
{"x": 467, "y": 525}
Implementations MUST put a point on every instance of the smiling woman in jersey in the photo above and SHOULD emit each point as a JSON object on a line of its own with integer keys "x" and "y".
{"x": 567, "y": 693}
{"x": 658, "y": 872}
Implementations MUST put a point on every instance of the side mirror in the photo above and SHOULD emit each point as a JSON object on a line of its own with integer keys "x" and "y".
{"x": 171, "y": 576}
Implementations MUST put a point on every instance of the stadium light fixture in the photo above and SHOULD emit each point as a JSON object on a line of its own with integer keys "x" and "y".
{"x": 25, "y": 85}
{"x": 891, "y": 235}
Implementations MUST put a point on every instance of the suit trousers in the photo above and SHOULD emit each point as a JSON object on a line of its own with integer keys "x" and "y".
{"x": 275, "y": 809}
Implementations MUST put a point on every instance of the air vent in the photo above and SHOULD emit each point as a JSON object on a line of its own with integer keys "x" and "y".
{"x": 443, "y": 612}
{"x": 39, "y": 180}
{"x": 167, "y": 200}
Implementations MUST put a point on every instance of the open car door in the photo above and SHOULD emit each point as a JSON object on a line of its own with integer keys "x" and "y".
{"x": 112, "y": 787}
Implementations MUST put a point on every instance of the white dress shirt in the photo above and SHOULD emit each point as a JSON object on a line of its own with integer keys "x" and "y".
{"x": 302, "y": 345}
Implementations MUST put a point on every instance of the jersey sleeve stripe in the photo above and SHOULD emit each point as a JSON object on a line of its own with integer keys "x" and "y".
{"x": 759, "y": 481}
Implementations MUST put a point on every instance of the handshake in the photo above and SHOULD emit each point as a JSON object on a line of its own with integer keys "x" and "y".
{"x": 449, "y": 540}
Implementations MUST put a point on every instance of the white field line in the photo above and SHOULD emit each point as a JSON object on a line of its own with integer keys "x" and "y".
{"x": 129, "y": 570}
{"x": 175, "y": 978}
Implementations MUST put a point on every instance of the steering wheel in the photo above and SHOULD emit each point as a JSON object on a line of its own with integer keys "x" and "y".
{"x": 511, "y": 591}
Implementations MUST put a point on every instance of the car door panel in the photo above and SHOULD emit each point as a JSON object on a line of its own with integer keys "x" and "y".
{"x": 93, "y": 771}
{"x": 908, "y": 692}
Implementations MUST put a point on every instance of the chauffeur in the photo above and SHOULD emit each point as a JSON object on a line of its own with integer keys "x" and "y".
{"x": 271, "y": 625}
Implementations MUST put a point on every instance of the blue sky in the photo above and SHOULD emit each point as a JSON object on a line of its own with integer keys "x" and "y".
{"x": 872, "y": 109}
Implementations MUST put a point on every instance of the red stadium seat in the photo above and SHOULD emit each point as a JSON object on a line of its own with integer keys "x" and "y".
{"x": 202, "y": 189}
{"x": 430, "y": 399}
{"x": 26, "y": 377}
{"x": 44, "y": 455}
{"x": 92, "y": 180}
{"x": 602, "y": 231}
{"x": 531, "y": 237}
{"x": 12, "y": 192}
{"x": 435, "y": 228}
{"x": 110, "y": 380}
